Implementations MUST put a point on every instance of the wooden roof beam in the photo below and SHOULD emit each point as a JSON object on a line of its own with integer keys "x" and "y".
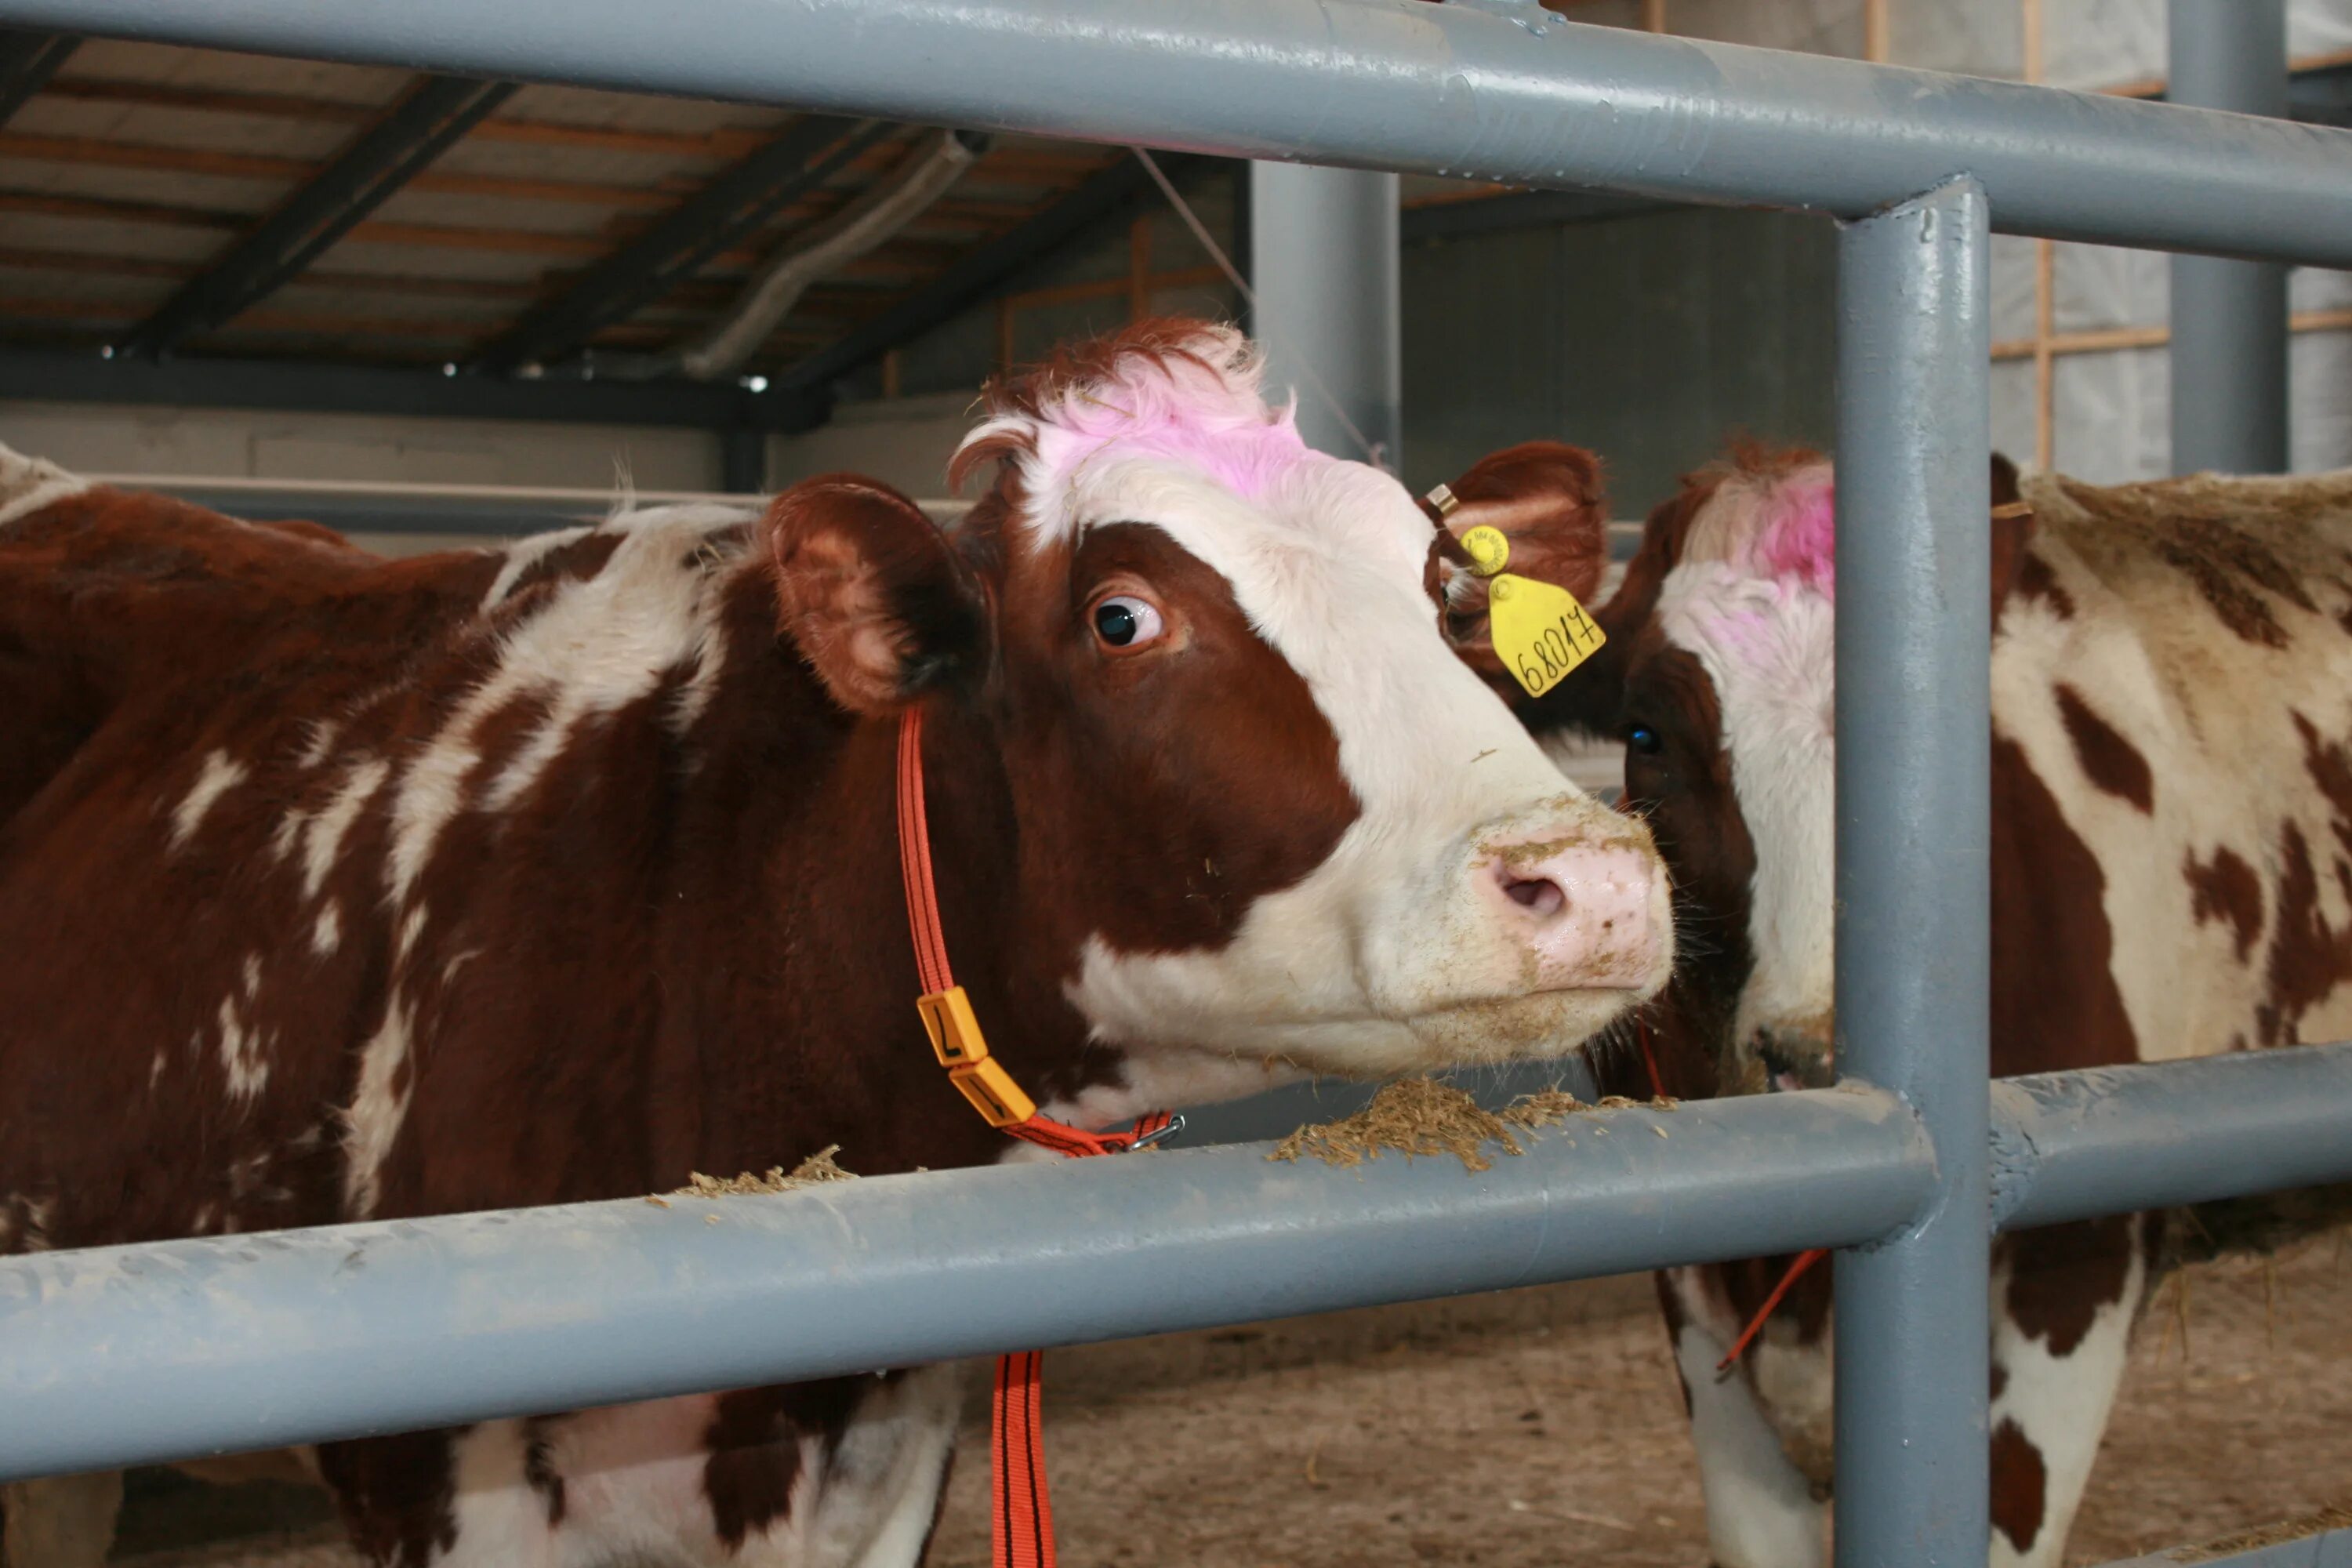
{"x": 27, "y": 61}
{"x": 390, "y": 153}
{"x": 731, "y": 209}
{"x": 1109, "y": 194}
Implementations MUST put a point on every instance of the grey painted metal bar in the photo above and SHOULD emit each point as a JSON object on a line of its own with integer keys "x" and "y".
{"x": 1335, "y": 334}
{"x": 2070, "y": 1146}
{"x": 2229, "y": 318}
{"x": 127, "y": 1354}
{"x": 1500, "y": 90}
{"x": 2327, "y": 1548}
{"x": 1914, "y": 895}
{"x": 122, "y": 1355}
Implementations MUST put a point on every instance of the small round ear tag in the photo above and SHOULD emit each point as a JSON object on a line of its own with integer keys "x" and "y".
{"x": 1538, "y": 629}
{"x": 1487, "y": 549}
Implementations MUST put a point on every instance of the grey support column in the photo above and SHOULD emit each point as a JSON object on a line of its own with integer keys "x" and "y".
{"x": 1323, "y": 264}
{"x": 1914, "y": 644}
{"x": 743, "y": 460}
{"x": 2229, "y": 318}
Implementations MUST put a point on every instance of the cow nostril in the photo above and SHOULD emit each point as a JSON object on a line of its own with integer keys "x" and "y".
{"x": 1539, "y": 895}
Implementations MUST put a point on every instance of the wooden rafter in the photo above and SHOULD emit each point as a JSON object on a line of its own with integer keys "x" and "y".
{"x": 1029, "y": 164}
{"x": 727, "y": 143}
{"x": 109, "y": 209}
{"x": 389, "y": 154}
{"x": 2109, "y": 340}
{"x": 155, "y": 158}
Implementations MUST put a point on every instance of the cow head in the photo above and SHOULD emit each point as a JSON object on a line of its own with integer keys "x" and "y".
{"x": 1261, "y": 808}
{"x": 1720, "y": 677}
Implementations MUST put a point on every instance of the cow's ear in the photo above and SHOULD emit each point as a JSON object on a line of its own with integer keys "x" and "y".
{"x": 2012, "y": 529}
{"x": 870, "y": 592}
{"x": 1546, "y": 499}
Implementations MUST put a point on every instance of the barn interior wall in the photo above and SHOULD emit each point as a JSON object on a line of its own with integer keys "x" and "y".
{"x": 236, "y": 444}
{"x": 1647, "y": 339}
{"x": 2111, "y": 408}
{"x": 1653, "y": 339}
{"x": 902, "y": 441}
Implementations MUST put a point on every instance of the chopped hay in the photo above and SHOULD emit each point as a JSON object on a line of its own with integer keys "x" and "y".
{"x": 2325, "y": 1520}
{"x": 2258, "y": 1225}
{"x": 1420, "y": 1116}
{"x": 1414, "y": 1116}
{"x": 815, "y": 1171}
{"x": 1545, "y": 1108}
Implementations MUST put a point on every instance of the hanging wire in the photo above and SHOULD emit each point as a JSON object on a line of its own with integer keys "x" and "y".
{"x": 1233, "y": 275}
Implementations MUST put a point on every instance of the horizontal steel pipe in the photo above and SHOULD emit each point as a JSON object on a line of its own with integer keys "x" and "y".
{"x": 2075, "y": 1145}
{"x": 1495, "y": 89}
{"x": 122, "y": 1355}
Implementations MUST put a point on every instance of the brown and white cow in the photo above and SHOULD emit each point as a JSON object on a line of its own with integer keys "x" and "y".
{"x": 335, "y": 888}
{"x": 2172, "y": 877}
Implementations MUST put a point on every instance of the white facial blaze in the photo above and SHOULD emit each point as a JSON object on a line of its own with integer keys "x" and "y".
{"x": 1396, "y": 951}
{"x": 1769, "y": 646}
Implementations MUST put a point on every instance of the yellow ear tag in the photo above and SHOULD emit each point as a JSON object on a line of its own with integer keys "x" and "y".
{"x": 1538, "y": 629}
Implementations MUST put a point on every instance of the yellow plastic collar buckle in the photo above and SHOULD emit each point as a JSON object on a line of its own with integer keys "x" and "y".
{"x": 955, "y": 1033}
{"x": 992, "y": 1093}
{"x": 957, "y": 1041}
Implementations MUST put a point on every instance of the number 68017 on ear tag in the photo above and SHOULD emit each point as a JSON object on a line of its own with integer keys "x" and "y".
{"x": 1538, "y": 629}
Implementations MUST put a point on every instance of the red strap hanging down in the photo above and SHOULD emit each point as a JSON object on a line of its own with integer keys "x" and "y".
{"x": 1796, "y": 1265}
{"x": 1023, "y": 1532}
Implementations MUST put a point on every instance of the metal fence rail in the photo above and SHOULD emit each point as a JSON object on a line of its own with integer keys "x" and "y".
{"x": 1921, "y": 166}
{"x": 1498, "y": 89}
{"x": 122, "y": 1355}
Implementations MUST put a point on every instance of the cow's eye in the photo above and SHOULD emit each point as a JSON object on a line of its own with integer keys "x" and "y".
{"x": 1125, "y": 623}
{"x": 1644, "y": 738}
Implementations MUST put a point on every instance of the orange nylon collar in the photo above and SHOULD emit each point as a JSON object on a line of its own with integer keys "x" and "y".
{"x": 1022, "y": 1530}
{"x": 947, "y": 1013}
{"x": 1796, "y": 1265}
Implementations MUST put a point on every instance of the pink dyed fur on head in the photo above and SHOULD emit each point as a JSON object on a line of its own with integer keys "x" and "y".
{"x": 1798, "y": 532}
{"x": 1778, "y": 524}
{"x": 1197, "y": 402}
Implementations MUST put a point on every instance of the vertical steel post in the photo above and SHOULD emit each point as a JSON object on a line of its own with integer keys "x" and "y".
{"x": 2229, "y": 318}
{"x": 1323, "y": 263}
{"x": 1914, "y": 723}
{"x": 743, "y": 460}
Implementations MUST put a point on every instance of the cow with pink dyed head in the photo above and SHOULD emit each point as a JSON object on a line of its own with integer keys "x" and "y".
{"x": 2172, "y": 877}
{"x": 340, "y": 889}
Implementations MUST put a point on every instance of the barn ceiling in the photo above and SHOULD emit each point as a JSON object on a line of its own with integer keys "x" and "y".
{"x": 168, "y": 204}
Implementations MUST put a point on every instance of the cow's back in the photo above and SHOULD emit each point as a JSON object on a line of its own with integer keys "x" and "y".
{"x": 227, "y": 732}
{"x": 2172, "y": 690}
{"x": 109, "y": 596}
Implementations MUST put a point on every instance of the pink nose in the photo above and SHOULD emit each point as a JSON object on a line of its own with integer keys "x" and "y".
{"x": 1584, "y": 911}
